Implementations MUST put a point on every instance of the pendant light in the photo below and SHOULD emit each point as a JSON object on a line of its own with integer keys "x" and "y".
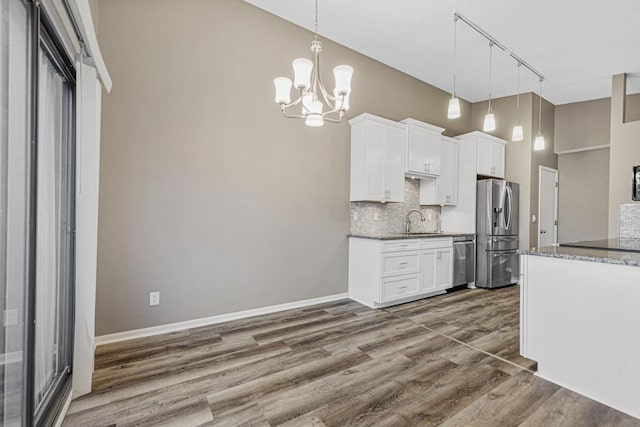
{"x": 538, "y": 144}
{"x": 313, "y": 98}
{"x": 489, "y": 118}
{"x": 518, "y": 134}
{"x": 454, "y": 102}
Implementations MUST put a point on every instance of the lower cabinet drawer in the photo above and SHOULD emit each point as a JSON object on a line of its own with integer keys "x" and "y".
{"x": 394, "y": 263}
{"x": 398, "y": 287}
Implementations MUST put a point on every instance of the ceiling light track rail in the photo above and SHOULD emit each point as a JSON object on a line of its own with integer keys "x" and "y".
{"x": 492, "y": 40}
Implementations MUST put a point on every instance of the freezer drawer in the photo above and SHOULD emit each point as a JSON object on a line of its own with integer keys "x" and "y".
{"x": 499, "y": 268}
{"x": 502, "y": 243}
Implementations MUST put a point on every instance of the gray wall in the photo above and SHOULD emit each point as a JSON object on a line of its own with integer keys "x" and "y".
{"x": 582, "y": 124}
{"x": 624, "y": 154}
{"x": 209, "y": 195}
{"x": 583, "y": 209}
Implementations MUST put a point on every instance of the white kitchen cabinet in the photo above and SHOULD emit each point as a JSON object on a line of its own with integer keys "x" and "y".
{"x": 437, "y": 264}
{"x": 377, "y": 159}
{"x": 491, "y": 151}
{"x": 388, "y": 272}
{"x": 443, "y": 190}
{"x": 423, "y": 149}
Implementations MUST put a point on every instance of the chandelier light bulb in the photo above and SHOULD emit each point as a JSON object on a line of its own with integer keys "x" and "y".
{"x": 342, "y": 74}
{"x": 283, "y": 90}
{"x": 489, "y": 122}
{"x": 302, "y": 73}
{"x": 518, "y": 134}
{"x": 538, "y": 144}
{"x": 454, "y": 108}
{"x": 314, "y": 118}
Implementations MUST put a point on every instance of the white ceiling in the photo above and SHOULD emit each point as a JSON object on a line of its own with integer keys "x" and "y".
{"x": 577, "y": 44}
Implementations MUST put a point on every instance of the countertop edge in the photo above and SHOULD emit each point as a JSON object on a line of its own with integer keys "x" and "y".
{"x": 605, "y": 259}
{"x": 400, "y": 236}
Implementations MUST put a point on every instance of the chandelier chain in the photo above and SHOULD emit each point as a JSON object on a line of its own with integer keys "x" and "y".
{"x": 316, "y": 20}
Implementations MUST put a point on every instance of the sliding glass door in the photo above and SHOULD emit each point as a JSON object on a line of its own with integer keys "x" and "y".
{"x": 15, "y": 136}
{"x": 37, "y": 216}
{"x": 54, "y": 227}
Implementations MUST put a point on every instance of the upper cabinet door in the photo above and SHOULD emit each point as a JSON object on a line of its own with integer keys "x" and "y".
{"x": 443, "y": 190}
{"x": 491, "y": 151}
{"x": 394, "y": 167}
{"x": 423, "y": 149}
{"x": 377, "y": 159}
{"x": 416, "y": 150}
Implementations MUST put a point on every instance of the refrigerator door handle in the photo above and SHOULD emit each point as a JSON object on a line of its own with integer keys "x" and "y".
{"x": 510, "y": 195}
{"x": 503, "y": 207}
{"x": 489, "y": 215}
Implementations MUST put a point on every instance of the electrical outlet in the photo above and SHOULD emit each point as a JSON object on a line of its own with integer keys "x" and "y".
{"x": 10, "y": 317}
{"x": 376, "y": 216}
{"x": 154, "y": 298}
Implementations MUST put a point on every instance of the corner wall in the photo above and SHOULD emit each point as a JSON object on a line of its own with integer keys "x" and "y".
{"x": 201, "y": 176}
{"x": 624, "y": 153}
{"x": 583, "y": 209}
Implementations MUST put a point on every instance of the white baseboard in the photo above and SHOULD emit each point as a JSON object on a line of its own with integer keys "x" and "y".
{"x": 195, "y": 323}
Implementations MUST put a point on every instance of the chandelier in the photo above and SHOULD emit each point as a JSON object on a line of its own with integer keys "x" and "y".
{"x": 316, "y": 103}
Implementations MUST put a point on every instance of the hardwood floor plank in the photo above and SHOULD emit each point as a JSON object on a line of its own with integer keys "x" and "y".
{"x": 130, "y": 400}
{"x": 279, "y": 383}
{"x": 293, "y": 403}
{"x": 509, "y": 404}
{"x": 566, "y": 408}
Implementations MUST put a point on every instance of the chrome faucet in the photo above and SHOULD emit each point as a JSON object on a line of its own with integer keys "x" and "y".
{"x": 408, "y": 220}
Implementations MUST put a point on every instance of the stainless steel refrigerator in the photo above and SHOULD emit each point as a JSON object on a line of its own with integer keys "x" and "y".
{"x": 497, "y": 233}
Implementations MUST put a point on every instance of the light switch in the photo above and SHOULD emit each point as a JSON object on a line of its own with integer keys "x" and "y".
{"x": 533, "y": 219}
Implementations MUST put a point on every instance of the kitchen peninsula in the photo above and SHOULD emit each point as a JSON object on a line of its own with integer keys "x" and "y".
{"x": 579, "y": 318}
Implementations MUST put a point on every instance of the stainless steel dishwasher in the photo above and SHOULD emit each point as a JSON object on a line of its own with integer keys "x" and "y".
{"x": 464, "y": 260}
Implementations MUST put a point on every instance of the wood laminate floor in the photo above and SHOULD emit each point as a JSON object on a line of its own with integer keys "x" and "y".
{"x": 450, "y": 360}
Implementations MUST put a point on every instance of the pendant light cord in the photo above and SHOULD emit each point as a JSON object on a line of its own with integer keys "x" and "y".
{"x": 540, "y": 109}
{"x": 455, "y": 51}
{"x": 490, "y": 71}
{"x": 518, "y": 96}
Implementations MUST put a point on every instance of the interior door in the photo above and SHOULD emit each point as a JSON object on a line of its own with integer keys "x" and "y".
{"x": 547, "y": 208}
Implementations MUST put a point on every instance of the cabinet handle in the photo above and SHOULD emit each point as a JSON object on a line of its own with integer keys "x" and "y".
{"x": 403, "y": 263}
{"x": 403, "y": 245}
{"x": 402, "y": 287}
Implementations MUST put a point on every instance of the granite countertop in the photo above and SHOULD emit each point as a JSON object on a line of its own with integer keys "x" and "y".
{"x": 398, "y": 236}
{"x": 623, "y": 244}
{"x": 585, "y": 254}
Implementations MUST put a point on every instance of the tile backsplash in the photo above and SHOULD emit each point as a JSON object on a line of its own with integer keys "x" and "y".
{"x": 391, "y": 216}
{"x": 630, "y": 221}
